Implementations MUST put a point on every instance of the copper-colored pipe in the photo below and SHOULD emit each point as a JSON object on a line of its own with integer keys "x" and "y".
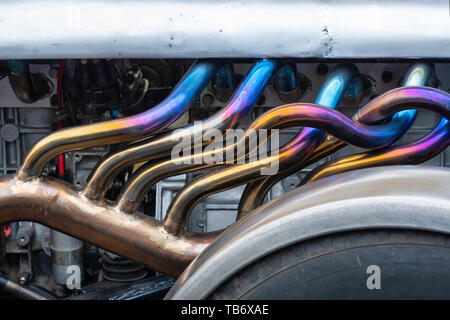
{"x": 312, "y": 116}
{"x": 229, "y": 116}
{"x": 253, "y": 196}
{"x": 357, "y": 133}
{"x": 121, "y": 130}
{"x": 138, "y": 237}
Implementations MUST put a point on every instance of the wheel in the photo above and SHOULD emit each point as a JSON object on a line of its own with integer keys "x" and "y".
{"x": 368, "y": 264}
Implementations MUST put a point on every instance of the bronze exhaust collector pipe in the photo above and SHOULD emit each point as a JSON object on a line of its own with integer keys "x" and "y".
{"x": 135, "y": 236}
{"x": 57, "y": 205}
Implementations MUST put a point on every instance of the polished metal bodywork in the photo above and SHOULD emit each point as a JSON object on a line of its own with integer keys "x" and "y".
{"x": 399, "y": 197}
{"x": 254, "y": 28}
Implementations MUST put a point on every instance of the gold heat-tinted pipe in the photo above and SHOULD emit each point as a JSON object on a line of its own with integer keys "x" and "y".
{"x": 310, "y": 115}
{"x": 138, "y": 237}
{"x": 418, "y": 74}
{"x": 233, "y": 113}
{"x": 121, "y": 130}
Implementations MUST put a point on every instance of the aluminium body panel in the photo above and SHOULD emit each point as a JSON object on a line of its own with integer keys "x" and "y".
{"x": 48, "y": 29}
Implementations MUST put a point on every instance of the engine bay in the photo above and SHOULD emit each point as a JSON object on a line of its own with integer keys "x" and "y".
{"x": 38, "y": 98}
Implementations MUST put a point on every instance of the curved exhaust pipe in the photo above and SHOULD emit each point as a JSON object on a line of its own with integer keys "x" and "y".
{"x": 418, "y": 74}
{"x": 330, "y": 94}
{"x": 329, "y": 120}
{"x": 121, "y": 130}
{"x": 236, "y": 110}
{"x": 411, "y": 153}
{"x": 138, "y": 237}
{"x": 415, "y": 76}
{"x": 166, "y": 246}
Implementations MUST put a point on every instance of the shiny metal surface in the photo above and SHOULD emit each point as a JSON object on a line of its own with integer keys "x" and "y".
{"x": 330, "y": 95}
{"x": 122, "y": 130}
{"x": 234, "y": 112}
{"x": 253, "y": 196}
{"x": 178, "y": 29}
{"x": 209, "y": 208}
{"x": 417, "y": 75}
{"x": 410, "y": 96}
{"x": 412, "y": 153}
{"x": 400, "y": 197}
{"x": 291, "y": 115}
{"x": 309, "y": 115}
{"x": 138, "y": 237}
{"x": 22, "y": 292}
{"x": 167, "y": 246}
{"x": 401, "y": 122}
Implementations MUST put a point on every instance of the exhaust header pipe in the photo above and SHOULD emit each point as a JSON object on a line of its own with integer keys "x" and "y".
{"x": 166, "y": 246}
{"x": 122, "y": 130}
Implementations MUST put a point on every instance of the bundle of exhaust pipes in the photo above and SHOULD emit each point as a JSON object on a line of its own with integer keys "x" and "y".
{"x": 342, "y": 115}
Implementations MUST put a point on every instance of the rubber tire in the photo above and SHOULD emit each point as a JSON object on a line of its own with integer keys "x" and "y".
{"x": 413, "y": 265}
